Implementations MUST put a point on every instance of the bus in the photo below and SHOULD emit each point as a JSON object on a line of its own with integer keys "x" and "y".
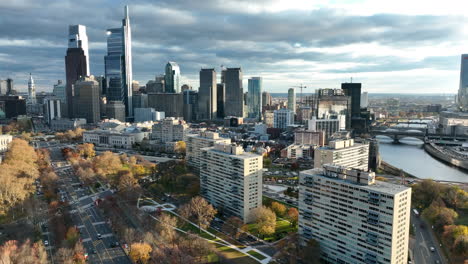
{"x": 416, "y": 213}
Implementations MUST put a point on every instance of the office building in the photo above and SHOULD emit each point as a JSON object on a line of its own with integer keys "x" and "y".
{"x": 6, "y": 87}
{"x": 190, "y": 105}
{"x": 269, "y": 118}
{"x": 231, "y": 179}
{"x": 283, "y": 118}
{"x": 333, "y": 103}
{"x": 354, "y": 91}
{"x": 76, "y": 61}
{"x": 147, "y": 114}
{"x": 207, "y": 95}
{"x": 140, "y": 100}
{"x": 305, "y": 137}
{"x": 59, "y": 91}
{"x": 266, "y": 98}
{"x": 463, "y": 88}
{"x": 234, "y": 96}
{"x": 65, "y": 124}
{"x": 221, "y": 100}
{"x": 169, "y": 130}
{"x": 328, "y": 126}
{"x": 355, "y": 218}
{"x": 364, "y": 100}
{"x": 118, "y": 65}
{"x": 31, "y": 90}
{"x": 86, "y": 99}
{"x": 52, "y": 109}
{"x": 115, "y": 110}
{"x": 344, "y": 153}
{"x": 172, "y": 104}
{"x": 254, "y": 98}
{"x": 292, "y": 100}
{"x": 196, "y": 142}
{"x": 157, "y": 85}
{"x": 304, "y": 113}
{"x": 172, "y": 78}
{"x": 4, "y": 141}
{"x": 12, "y": 106}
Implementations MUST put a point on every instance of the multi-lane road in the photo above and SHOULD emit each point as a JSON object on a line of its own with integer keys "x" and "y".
{"x": 423, "y": 242}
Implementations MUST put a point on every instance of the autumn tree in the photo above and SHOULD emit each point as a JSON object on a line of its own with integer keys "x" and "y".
{"x": 86, "y": 150}
{"x": 72, "y": 236}
{"x": 425, "y": 192}
{"x": 293, "y": 216}
{"x": 198, "y": 210}
{"x": 140, "y": 252}
{"x": 107, "y": 164}
{"x": 456, "y": 197}
{"x": 439, "y": 215}
{"x": 278, "y": 208}
{"x": 265, "y": 219}
{"x": 14, "y": 252}
{"x": 165, "y": 227}
{"x": 180, "y": 147}
{"x": 232, "y": 226}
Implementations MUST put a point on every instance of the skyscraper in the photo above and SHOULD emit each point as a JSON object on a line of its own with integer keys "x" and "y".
{"x": 172, "y": 78}
{"x": 292, "y": 100}
{"x": 31, "y": 90}
{"x": 221, "y": 100}
{"x": 254, "y": 97}
{"x": 207, "y": 95}
{"x": 87, "y": 101}
{"x": 118, "y": 65}
{"x": 234, "y": 105}
{"x": 76, "y": 61}
{"x": 266, "y": 99}
{"x": 463, "y": 89}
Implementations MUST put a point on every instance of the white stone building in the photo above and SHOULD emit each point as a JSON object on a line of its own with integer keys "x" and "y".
{"x": 344, "y": 153}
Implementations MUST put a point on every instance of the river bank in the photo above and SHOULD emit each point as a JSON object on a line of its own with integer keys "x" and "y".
{"x": 445, "y": 156}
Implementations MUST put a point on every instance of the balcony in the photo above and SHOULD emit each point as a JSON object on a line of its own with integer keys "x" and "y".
{"x": 373, "y": 218}
{"x": 370, "y": 258}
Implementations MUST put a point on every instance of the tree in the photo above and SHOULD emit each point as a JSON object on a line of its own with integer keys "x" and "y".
{"x": 86, "y": 150}
{"x": 439, "y": 215}
{"x": 199, "y": 210}
{"x": 165, "y": 227}
{"x": 72, "y": 236}
{"x": 293, "y": 215}
{"x": 233, "y": 226}
{"x": 278, "y": 208}
{"x": 107, "y": 164}
{"x": 265, "y": 219}
{"x": 455, "y": 197}
{"x": 140, "y": 252}
{"x": 180, "y": 147}
{"x": 425, "y": 192}
{"x": 288, "y": 249}
{"x": 14, "y": 252}
{"x": 311, "y": 252}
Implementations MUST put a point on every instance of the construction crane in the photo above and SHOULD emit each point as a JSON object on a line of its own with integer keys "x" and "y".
{"x": 300, "y": 87}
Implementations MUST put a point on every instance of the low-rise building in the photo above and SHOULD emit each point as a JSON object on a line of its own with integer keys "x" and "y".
{"x": 306, "y": 137}
{"x": 147, "y": 114}
{"x": 355, "y": 218}
{"x": 109, "y": 138}
{"x": 231, "y": 179}
{"x": 64, "y": 124}
{"x": 343, "y": 152}
{"x": 296, "y": 151}
{"x": 4, "y": 141}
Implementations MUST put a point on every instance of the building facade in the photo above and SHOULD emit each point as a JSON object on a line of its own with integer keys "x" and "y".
{"x": 207, "y": 95}
{"x": 292, "y": 99}
{"x": 172, "y": 78}
{"x": 4, "y": 141}
{"x": 52, "y": 109}
{"x": 283, "y": 118}
{"x": 463, "y": 88}
{"x": 87, "y": 102}
{"x": 231, "y": 179}
{"x": 234, "y": 103}
{"x": 111, "y": 139}
{"x": 355, "y": 218}
{"x": 306, "y": 137}
{"x": 65, "y": 124}
{"x": 12, "y": 106}
{"x": 169, "y": 130}
{"x": 147, "y": 114}
{"x": 254, "y": 98}
{"x": 196, "y": 142}
{"x": 344, "y": 153}
{"x": 172, "y": 104}
{"x": 328, "y": 126}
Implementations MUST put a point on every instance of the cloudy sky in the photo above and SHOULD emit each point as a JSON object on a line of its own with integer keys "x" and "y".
{"x": 404, "y": 46}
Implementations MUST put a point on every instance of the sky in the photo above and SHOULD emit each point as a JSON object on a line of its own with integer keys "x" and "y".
{"x": 398, "y": 46}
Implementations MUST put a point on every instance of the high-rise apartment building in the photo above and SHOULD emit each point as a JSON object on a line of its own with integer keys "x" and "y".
{"x": 231, "y": 179}
{"x": 344, "y": 153}
{"x": 267, "y": 99}
{"x": 463, "y": 88}
{"x": 172, "y": 77}
{"x": 355, "y": 218}
{"x": 292, "y": 99}
{"x": 86, "y": 99}
{"x": 328, "y": 126}
{"x": 31, "y": 90}
{"x": 234, "y": 104}
{"x": 254, "y": 98}
{"x": 364, "y": 100}
{"x": 169, "y": 130}
{"x": 76, "y": 62}
{"x": 269, "y": 118}
{"x": 196, "y": 142}
{"x": 118, "y": 65}
{"x": 283, "y": 118}
{"x": 207, "y": 95}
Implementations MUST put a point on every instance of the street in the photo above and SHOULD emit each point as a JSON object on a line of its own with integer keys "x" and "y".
{"x": 423, "y": 242}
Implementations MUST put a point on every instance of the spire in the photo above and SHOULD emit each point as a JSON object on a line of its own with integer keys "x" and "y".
{"x": 126, "y": 12}
{"x": 31, "y": 80}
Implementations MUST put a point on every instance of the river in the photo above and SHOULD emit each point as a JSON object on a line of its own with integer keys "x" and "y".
{"x": 410, "y": 156}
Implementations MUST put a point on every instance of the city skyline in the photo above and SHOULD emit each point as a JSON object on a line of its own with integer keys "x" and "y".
{"x": 389, "y": 52}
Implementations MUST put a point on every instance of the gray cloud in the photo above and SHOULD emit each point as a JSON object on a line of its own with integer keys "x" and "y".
{"x": 210, "y": 33}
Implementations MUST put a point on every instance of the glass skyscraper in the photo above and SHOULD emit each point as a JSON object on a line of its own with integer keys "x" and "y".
{"x": 118, "y": 64}
{"x": 254, "y": 98}
{"x": 172, "y": 78}
{"x": 463, "y": 89}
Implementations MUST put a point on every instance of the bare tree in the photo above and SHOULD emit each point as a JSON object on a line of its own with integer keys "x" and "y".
{"x": 232, "y": 226}
{"x": 199, "y": 210}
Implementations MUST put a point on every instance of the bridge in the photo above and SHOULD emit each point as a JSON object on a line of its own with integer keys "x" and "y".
{"x": 419, "y": 133}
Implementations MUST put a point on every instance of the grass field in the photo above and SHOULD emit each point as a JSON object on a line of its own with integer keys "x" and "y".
{"x": 256, "y": 254}
{"x": 283, "y": 227}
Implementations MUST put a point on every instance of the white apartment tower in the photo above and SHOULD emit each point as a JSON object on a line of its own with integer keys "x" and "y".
{"x": 344, "y": 153}
{"x": 231, "y": 179}
{"x": 283, "y": 118}
{"x": 196, "y": 142}
{"x": 169, "y": 129}
{"x": 355, "y": 218}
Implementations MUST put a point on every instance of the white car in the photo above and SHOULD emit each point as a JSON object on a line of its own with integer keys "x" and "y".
{"x": 432, "y": 249}
{"x": 46, "y": 243}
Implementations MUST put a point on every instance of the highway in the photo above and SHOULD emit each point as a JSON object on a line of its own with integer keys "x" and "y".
{"x": 423, "y": 242}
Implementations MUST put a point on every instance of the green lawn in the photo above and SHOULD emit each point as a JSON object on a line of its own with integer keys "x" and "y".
{"x": 267, "y": 202}
{"x": 256, "y": 255}
{"x": 462, "y": 217}
{"x": 234, "y": 256}
{"x": 283, "y": 227}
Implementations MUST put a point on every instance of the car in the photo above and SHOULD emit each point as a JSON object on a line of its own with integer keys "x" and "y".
{"x": 94, "y": 251}
{"x": 46, "y": 243}
{"x": 99, "y": 236}
{"x": 437, "y": 262}
{"x": 432, "y": 249}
